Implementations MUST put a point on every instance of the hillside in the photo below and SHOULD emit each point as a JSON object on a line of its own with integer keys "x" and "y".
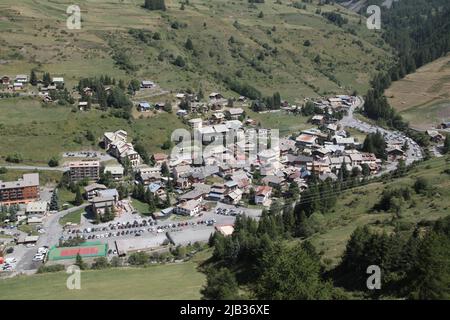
{"x": 355, "y": 208}
{"x": 422, "y": 98}
{"x": 229, "y": 39}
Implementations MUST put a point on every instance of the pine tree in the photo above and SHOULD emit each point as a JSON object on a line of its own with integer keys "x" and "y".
{"x": 33, "y": 78}
{"x": 78, "y": 197}
{"x": 54, "y": 202}
{"x": 189, "y": 45}
{"x": 79, "y": 262}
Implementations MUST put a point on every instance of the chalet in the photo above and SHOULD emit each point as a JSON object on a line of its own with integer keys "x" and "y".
{"x": 435, "y": 136}
{"x": 160, "y": 158}
{"x": 144, "y": 106}
{"x": 148, "y": 178}
{"x": 262, "y": 195}
{"x": 273, "y": 181}
{"x": 100, "y": 203}
{"x": 189, "y": 208}
{"x": 346, "y": 142}
{"x": 58, "y": 81}
{"x": 215, "y": 96}
{"x": 146, "y": 84}
{"x": 199, "y": 193}
{"x": 18, "y": 86}
{"x": 83, "y": 105}
{"x": 5, "y": 80}
{"x": 91, "y": 190}
{"x": 160, "y": 105}
{"x": 318, "y": 119}
{"x": 235, "y": 113}
{"x": 157, "y": 190}
{"x": 217, "y": 193}
{"x": 116, "y": 171}
{"x": 21, "y": 78}
{"x": 183, "y": 183}
{"x": 233, "y": 197}
{"x": 218, "y": 117}
{"x": 306, "y": 140}
{"x": 395, "y": 153}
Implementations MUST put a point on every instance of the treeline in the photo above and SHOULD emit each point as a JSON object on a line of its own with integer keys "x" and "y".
{"x": 267, "y": 103}
{"x": 244, "y": 89}
{"x": 416, "y": 266}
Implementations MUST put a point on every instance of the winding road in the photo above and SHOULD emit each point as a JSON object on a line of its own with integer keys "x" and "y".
{"x": 414, "y": 153}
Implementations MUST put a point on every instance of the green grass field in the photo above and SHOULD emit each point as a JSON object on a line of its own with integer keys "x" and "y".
{"x": 52, "y": 130}
{"x": 73, "y": 217}
{"x": 45, "y": 177}
{"x": 172, "y": 281}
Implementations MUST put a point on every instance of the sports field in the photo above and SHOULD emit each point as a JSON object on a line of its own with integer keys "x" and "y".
{"x": 86, "y": 250}
{"x": 172, "y": 281}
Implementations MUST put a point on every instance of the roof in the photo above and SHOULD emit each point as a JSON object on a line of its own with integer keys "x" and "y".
{"x": 91, "y": 163}
{"x": 160, "y": 156}
{"x": 305, "y": 138}
{"x": 153, "y": 187}
{"x": 236, "y": 111}
{"x": 38, "y": 206}
{"x": 144, "y": 105}
{"x": 28, "y": 180}
{"x": 108, "y": 193}
{"x": 189, "y": 205}
{"x": 196, "y": 120}
{"x": 226, "y": 230}
{"x": 263, "y": 190}
{"x": 94, "y": 186}
{"x": 116, "y": 169}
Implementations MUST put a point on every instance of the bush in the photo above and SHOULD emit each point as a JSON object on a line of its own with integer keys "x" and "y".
{"x": 138, "y": 258}
{"x": 14, "y": 158}
{"x": 53, "y": 268}
{"x": 421, "y": 185}
{"x": 53, "y": 162}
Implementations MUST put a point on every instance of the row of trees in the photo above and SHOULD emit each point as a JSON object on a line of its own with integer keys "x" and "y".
{"x": 263, "y": 262}
{"x": 416, "y": 266}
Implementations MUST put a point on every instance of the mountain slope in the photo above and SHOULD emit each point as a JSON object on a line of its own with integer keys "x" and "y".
{"x": 230, "y": 39}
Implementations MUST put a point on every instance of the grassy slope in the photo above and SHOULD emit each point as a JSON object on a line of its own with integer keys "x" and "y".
{"x": 423, "y": 97}
{"x": 173, "y": 281}
{"x": 34, "y": 33}
{"x": 39, "y": 133}
{"x": 354, "y": 208}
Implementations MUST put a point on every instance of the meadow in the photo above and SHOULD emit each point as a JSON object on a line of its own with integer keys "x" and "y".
{"x": 162, "y": 282}
{"x": 423, "y": 98}
{"x": 39, "y": 133}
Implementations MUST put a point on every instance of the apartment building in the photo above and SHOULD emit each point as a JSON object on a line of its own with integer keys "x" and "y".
{"x": 24, "y": 190}
{"x": 80, "y": 170}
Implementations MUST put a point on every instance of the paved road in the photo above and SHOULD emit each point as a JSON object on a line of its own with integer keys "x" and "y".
{"x": 414, "y": 152}
{"x": 32, "y": 168}
{"x": 53, "y": 231}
